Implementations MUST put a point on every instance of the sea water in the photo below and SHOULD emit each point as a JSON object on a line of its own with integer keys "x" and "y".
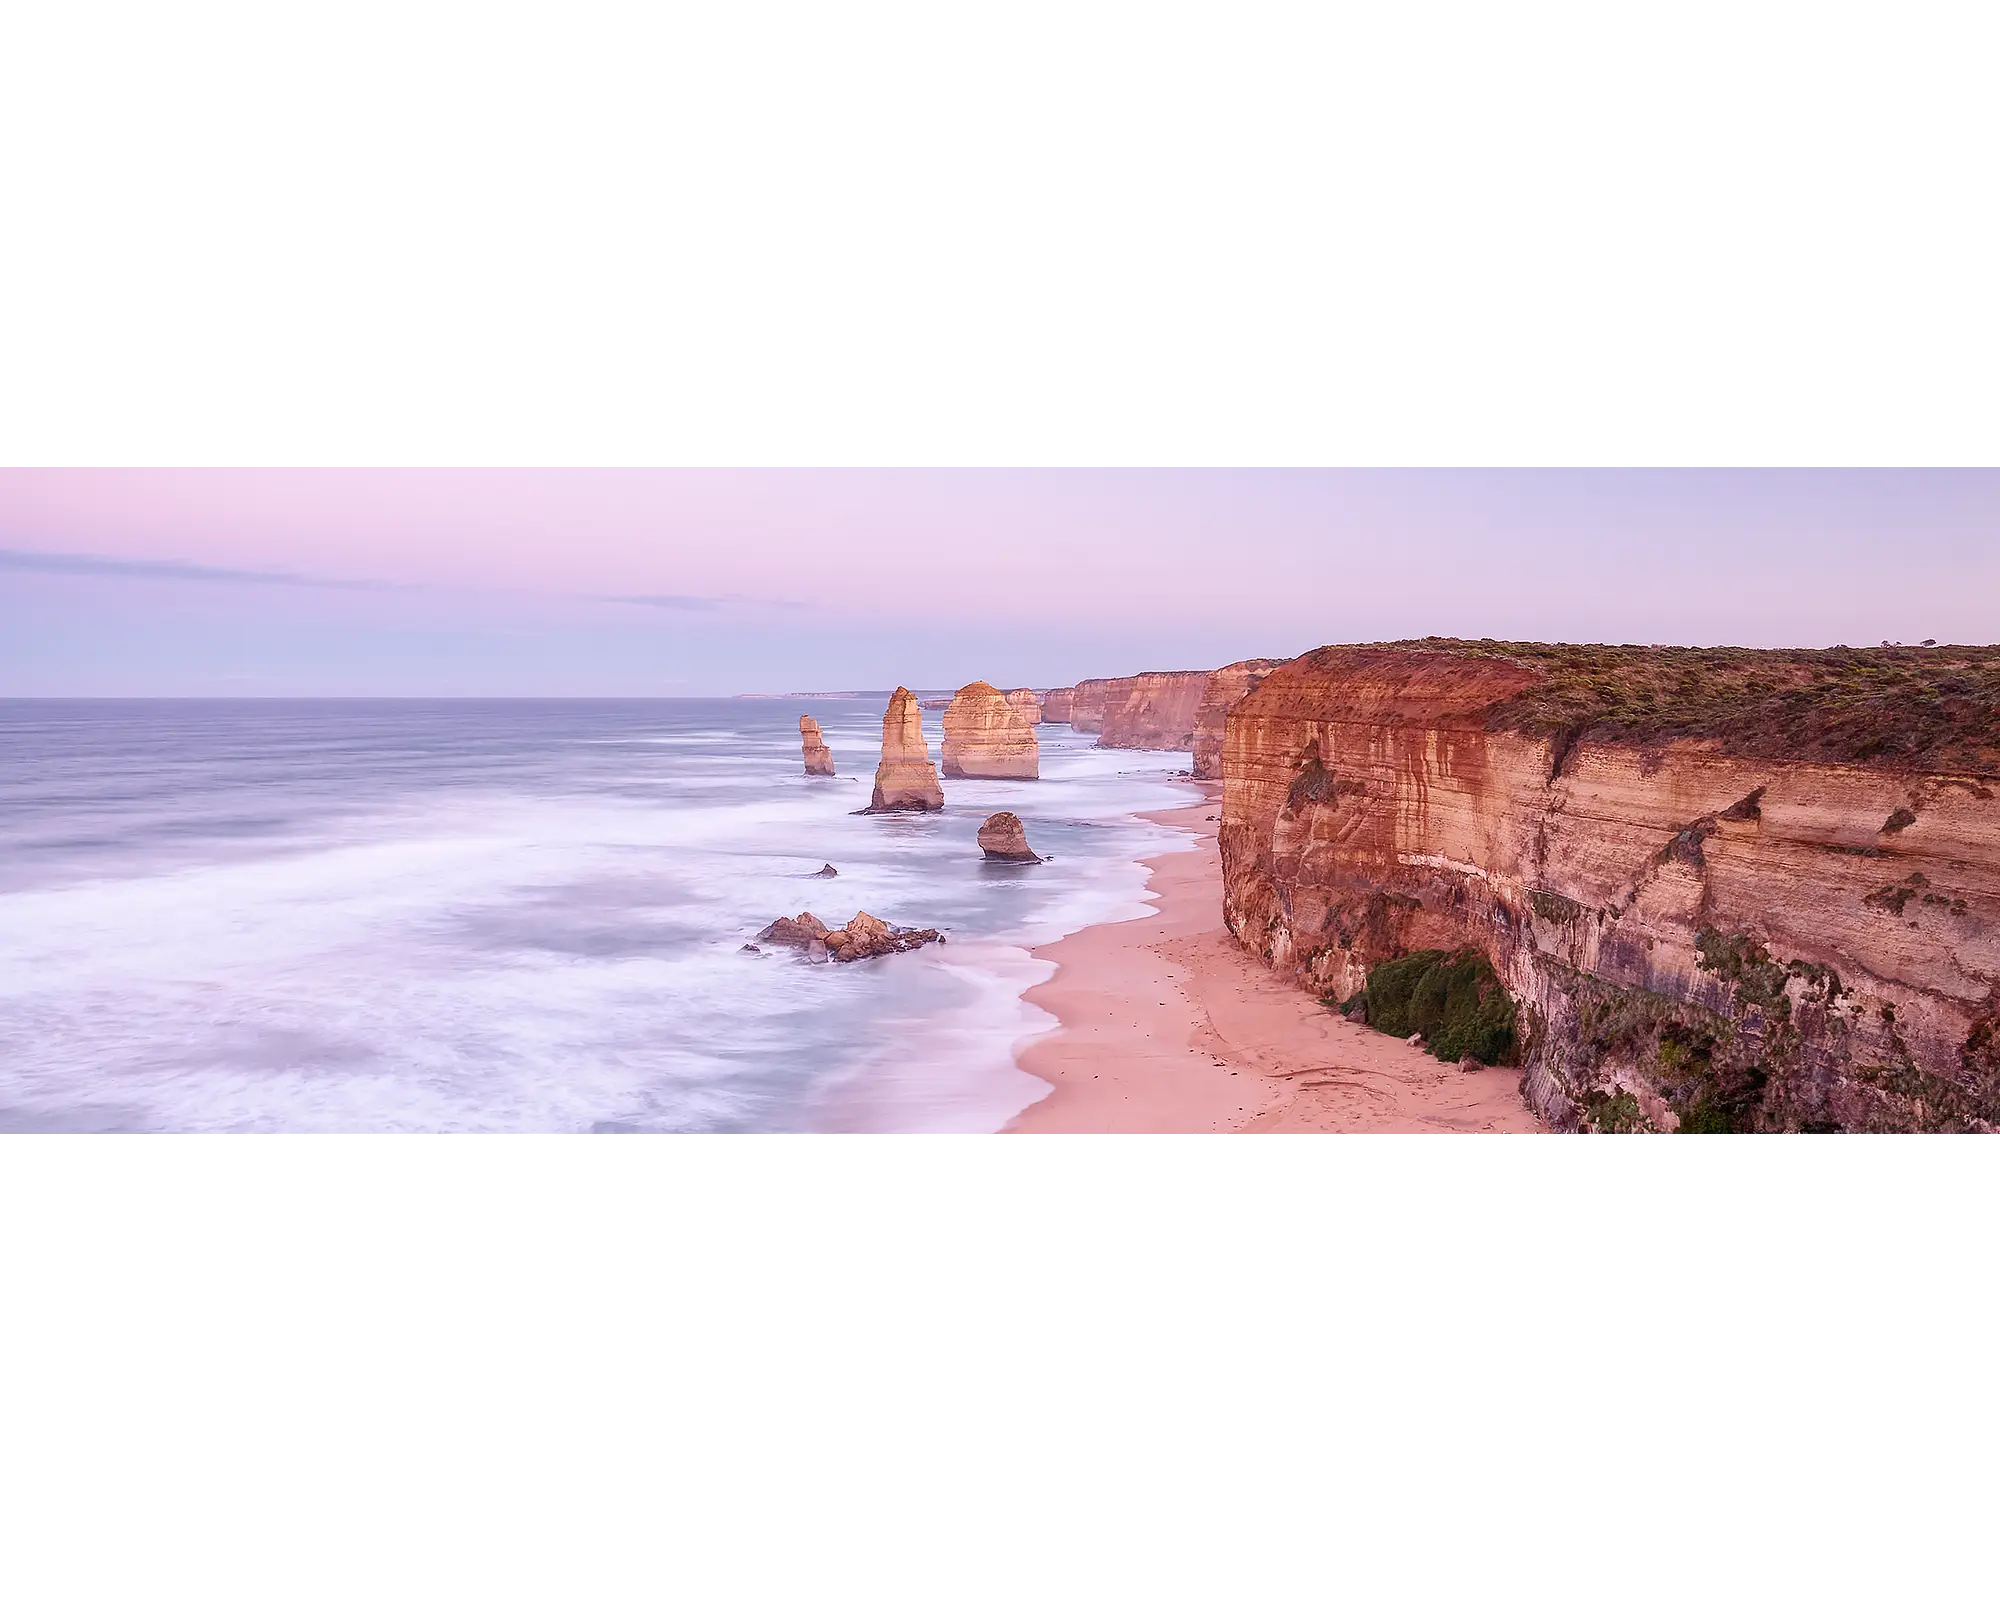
{"x": 522, "y": 916}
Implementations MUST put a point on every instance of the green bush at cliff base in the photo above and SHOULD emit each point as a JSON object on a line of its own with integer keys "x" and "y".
{"x": 1451, "y": 997}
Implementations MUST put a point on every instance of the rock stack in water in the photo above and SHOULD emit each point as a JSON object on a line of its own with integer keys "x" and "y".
{"x": 1028, "y": 703}
{"x": 863, "y": 938}
{"x": 985, "y": 737}
{"x": 819, "y": 759}
{"x": 906, "y": 780}
{"x": 1003, "y": 838}
{"x": 1055, "y": 705}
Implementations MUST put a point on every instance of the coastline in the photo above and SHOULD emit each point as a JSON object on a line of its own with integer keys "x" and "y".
{"x": 1166, "y": 1025}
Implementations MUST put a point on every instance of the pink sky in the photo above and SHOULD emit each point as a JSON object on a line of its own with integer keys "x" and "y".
{"x": 665, "y": 581}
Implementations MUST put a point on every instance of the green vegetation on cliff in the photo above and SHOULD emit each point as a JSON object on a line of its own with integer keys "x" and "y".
{"x": 1451, "y": 997}
{"x": 1935, "y": 707}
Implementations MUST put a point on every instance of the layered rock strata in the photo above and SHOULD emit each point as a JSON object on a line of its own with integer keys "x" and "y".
{"x": 1056, "y": 705}
{"x": 819, "y": 759}
{"x": 905, "y": 780}
{"x": 1226, "y": 686}
{"x": 985, "y": 737}
{"x": 1028, "y": 703}
{"x": 1086, "y": 706}
{"x": 1003, "y": 838}
{"x": 1730, "y": 890}
{"x": 1152, "y": 711}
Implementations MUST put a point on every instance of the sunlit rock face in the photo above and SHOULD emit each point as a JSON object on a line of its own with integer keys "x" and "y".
{"x": 986, "y": 737}
{"x": 906, "y": 780}
{"x": 1056, "y": 705}
{"x": 1028, "y": 703}
{"x": 1086, "y": 706}
{"x": 1714, "y": 920}
{"x": 1226, "y": 686}
{"x": 1152, "y": 711}
{"x": 819, "y": 759}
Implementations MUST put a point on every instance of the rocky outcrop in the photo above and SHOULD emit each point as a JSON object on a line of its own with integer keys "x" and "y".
{"x": 863, "y": 938}
{"x": 1003, "y": 838}
{"x": 905, "y": 780}
{"x": 1056, "y": 705}
{"x": 1729, "y": 890}
{"x": 1086, "y": 706}
{"x": 985, "y": 737}
{"x": 1226, "y": 686}
{"x": 1152, "y": 711}
{"x": 819, "y": 759}
{"x": 1028, "y": 703}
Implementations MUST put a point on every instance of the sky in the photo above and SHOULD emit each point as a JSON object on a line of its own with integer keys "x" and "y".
{"x": 712, "y": 582}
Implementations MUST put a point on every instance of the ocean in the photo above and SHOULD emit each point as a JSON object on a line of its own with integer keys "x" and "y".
{"x": 522, "y": 916}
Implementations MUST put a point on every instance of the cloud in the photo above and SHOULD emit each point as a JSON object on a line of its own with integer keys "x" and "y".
{"x": 697, "y": 602}
{"x": 88, "y": 566}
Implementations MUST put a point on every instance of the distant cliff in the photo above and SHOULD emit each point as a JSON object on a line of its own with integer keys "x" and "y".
{"x": 1086, "y": 706}
{"x": 1226, "y": 686}
{"x": 1729, "y": 889}
{"x": 1152, "y": 711}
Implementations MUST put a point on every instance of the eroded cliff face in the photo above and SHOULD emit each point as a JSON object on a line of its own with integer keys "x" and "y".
{"x": 1086, "y": 706}
{"x": 1056, "y": 705}
{"x": 1152, "y": 710}
{"x": 1704, "y": 930}
{"x": 986, "y": 737}
{"x": 1226, "y": 686}
{"x": 1028, "y": 703}
{"x": 818, "y": 758}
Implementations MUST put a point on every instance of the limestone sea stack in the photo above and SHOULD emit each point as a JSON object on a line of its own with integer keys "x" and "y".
{"x": 1086, "y": 706}
{"x": 1055, "y": 705}
{"x": 1003, "y": 838}
{"x": 819, "y": 759}
{"x": 1226, "y": 686}
{"x": 905, "y": 780}
{"x": 1028, "y": 703}
{"x": 985, "y": 737}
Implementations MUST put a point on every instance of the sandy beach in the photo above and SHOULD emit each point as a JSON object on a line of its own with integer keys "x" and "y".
{"x": 1168, "y": 1026}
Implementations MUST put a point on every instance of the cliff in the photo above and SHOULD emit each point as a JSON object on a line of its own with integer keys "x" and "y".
{"x": 905, "y": 780}
{"x": 1727, "y": 889}
{"x": 1226, "y": 686}
{"x": 985, "y": 737}
{"x": 1056, "y": 705}
{"x": 1086, "y": 706}
{"x": 1028, "y": 703}
{"x": 819, "y": 759}
{"x": 1152, "y": 711}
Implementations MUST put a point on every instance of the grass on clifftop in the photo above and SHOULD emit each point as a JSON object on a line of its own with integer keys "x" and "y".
{"x": 1933, "y": 707}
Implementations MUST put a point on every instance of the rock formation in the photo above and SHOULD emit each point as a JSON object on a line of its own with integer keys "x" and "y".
{"x": 1028, "y": 703}
{"x": 1003, "y": 838}
{"x": 905, "y": 780}
{"x": 863, "y": 937}
{"x": 985, "y": 737}
{"x": 1056, "y": 705}
{"x": 1226, "y": 686}
{"x": 1728, "y": 889}
{"x": 1086, "y": 706}
{"x": 1152, "y": 711}
{"x": 819, "y": 759}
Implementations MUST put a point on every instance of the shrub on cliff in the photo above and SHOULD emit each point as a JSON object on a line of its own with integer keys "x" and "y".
{"x": 1452, "y": 997}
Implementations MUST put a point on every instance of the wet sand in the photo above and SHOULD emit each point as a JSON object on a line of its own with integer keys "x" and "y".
{"x": 1169, "y": 1026}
